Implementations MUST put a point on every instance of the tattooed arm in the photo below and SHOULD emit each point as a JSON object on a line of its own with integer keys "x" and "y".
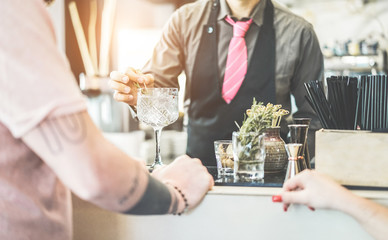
{"x": 71, "y": 145}
{"x": 97, "y": 171}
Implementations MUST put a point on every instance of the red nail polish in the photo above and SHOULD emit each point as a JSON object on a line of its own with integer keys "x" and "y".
{"x": 285, "y": 208}
{"x": 277, "y": 198}
{"x": 312, "y": 209}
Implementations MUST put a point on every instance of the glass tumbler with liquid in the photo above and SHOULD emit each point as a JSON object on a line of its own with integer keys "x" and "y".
{"x": 249, "y": 155}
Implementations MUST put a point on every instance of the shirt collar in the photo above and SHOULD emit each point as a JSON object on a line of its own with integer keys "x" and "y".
{"x": 257, "y": 13}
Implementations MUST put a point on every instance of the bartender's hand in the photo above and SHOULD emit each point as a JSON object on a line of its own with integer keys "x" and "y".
{"x": 126, "y": 84}
{"x": 190, "y": 176}
{"x": 315, "y": 190}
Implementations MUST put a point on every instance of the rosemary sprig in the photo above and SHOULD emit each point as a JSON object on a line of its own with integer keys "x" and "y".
{"x": 260, "y": 117}
{"x": 137, "y": 85}
{"x": 144, "y": 90}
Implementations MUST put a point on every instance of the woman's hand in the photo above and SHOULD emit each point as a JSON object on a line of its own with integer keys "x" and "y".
{"x": 126, "y": 84}
{"x": 314, "y": 190}
{"x": 318, "y": 191}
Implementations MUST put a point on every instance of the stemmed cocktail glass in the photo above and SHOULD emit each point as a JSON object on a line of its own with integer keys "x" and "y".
{"x": 157, "y": 107}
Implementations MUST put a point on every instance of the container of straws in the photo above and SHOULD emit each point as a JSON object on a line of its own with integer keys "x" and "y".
{"x": 350, "y": 103}
{"x": 353, "y": 146}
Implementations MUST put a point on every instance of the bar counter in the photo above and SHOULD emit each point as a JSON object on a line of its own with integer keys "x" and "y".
{"x": 226, "y": 212}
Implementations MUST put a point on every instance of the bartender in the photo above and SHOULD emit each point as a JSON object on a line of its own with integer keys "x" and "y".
{"x": 231, "y": 51}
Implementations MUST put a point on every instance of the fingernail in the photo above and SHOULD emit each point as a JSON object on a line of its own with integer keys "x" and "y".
{"x": 285, "y": 208}
{"x": 127, "y": 89}
{"x": 125, "y": 79}
{"x": 277, "y": 198}
{"x": 312, "y": 209}
{"x": 141, "y": 80}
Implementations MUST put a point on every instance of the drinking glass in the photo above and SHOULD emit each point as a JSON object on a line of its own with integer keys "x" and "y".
{"x": 224, "y": 156}
{"x": 157, "y": 107}
{"x": 249, "y": 156}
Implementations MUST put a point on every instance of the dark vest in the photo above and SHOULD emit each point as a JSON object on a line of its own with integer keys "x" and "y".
{"x": 210, "y": 117}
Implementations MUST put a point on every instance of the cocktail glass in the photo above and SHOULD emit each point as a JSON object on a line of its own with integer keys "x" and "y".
{"x": 157, "y": 107}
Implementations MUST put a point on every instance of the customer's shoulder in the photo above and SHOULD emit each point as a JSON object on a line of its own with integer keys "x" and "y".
{"x": 285, "y": 17}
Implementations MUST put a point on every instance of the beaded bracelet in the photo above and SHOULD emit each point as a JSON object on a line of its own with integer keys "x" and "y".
{"x": 184, "y": 199}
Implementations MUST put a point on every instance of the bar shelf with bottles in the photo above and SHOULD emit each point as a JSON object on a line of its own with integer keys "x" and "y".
{"x": 354, "y": 58}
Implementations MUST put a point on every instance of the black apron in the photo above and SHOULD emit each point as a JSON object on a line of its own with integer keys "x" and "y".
{"x": 210, "y": 117}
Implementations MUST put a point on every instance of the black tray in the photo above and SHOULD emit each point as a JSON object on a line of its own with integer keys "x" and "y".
{"x": 270, "y": 180}
{"x": 273, "y": 180}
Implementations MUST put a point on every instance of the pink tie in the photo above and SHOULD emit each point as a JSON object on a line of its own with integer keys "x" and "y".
{"x": 236, "y": 63}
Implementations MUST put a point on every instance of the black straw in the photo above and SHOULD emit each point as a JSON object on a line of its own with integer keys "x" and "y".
{"x": 351, "y": 102}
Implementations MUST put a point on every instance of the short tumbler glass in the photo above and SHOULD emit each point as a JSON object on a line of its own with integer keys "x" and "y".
{"x": 224, "y": 156}
{"x": 249, "y": 156}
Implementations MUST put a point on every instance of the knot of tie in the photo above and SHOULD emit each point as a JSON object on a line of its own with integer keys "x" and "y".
{"x": 239, "y": 27}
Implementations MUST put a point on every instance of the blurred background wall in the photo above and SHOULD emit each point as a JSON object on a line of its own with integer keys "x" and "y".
{"x": 138, "y": 24}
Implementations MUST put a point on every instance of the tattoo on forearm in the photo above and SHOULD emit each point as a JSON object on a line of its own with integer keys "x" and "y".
{"x": 132, "y": 189}
{"x": 51, "y": 139}
{"x": 71, "y": 129}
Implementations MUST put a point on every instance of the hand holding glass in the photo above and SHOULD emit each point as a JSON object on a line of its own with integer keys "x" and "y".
{"x": 157, "y": 107}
